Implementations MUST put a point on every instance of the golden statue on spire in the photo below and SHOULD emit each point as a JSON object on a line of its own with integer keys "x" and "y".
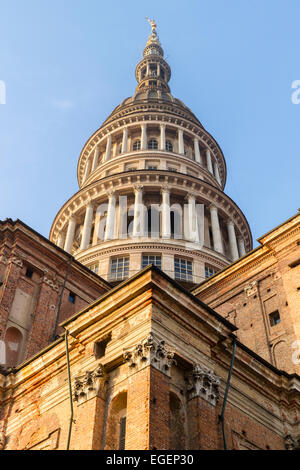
{"x": 152, "y": 24}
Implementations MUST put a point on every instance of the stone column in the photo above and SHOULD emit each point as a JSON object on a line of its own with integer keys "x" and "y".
{"x": 166, "y": 215}
{"x": 108, "y": 148}
{"x": 111, "y": 216}
{"x": 60, "y": 240}
{"x": 180, "y": 142}
{"x": 95, "y": 159}
{"x": 70, "y": 234}
{"x": 217, "y": 174}
{"x": 241, "y": 244}
{"x": 232, "y": 240}
{"x": 209, "y": 161}
{"x": 162, "y": 137}
{"x": 87, "y": 170}
{"x": 197, "y": 151}
{"x": 125, "y": 140}
{"x": 215, "y": 225}
{"x": 138, "y": 218}
{"x": 191, "y": 231}
{"x": 144, "y": 136}
{"x": 87, "y": 226}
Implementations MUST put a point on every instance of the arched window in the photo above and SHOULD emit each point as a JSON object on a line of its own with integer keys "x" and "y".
{"x": 169, "y": 146}
{"x": 13, "y": 343}
{"x": 152, "y": 144}
{"x": 136, "y": 145}
{"x": 116, "y": 424}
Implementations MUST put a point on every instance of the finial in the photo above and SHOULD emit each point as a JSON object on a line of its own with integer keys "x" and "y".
{"x": 153, "y": 24}
{"x": 153, "y": 38}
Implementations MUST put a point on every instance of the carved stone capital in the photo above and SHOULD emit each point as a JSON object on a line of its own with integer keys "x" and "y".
{"x": 4, "y": 260}
{"x": 202, "y": 382}
{"x": 138, "y": 188}
{"x": 17, "y": 261}
{"x": 89, "y": 385}
{"x": 152, "y": 352}
{"x": 251, "y": 288}
{"x": 51, "y": 283}
{"x": 290, "y": 443}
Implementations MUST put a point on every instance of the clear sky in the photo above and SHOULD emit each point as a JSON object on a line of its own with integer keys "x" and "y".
{"x": 66, "y": 64}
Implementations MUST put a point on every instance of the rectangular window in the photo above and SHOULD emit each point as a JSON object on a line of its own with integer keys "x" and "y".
{"x": 274, "y": 318}
{"x": 119, "y": 269}
{"x": 151, "y": 259}
{"x": 122, "y": 433}
{"x": 209, "y": 271}
{"x": 183, "y": 269}
{"x": 72, "y": 297}
{"x": 29, "y": 273}
{"x": 151, "y": 167}
{"x": 94, "y": 268}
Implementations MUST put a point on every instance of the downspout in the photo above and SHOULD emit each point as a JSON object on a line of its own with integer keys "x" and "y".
{"x": 70, "y": 389}
{"x": 221, "y": 417}
{"x": 60, "y": 298}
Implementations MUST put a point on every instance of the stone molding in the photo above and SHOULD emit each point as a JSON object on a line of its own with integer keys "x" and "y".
{"x": 17, "y": 261}
{"x": 89, "y": 385}
{"x": 251, "y": 288}
{"x": 51, "y": 283}
{"x": 150, "y": 351}
{"x": 203, "y": 383}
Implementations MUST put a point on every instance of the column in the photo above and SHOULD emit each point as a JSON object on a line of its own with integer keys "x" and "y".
{"x": 111, "y": 216}
{"x": 190, "y": 221}
{"x": 232, "y": 241}
{"x": 166, "y": 215}
{"x": 197, "y": 151}
{"x": 96, "y": 230}
{"x": 125, "y": 139}
{"x": 87, "y": 170}
{"x": 180, "y": 142}
{"x": 144, "y": 136}
{"x": 108, "y": 148}
{"x": 241, "y": 244}
{"x": 70, "y": 235}
{"x": 115, "y": 149}
{"x": 96, "y": 158}
{"x": 162, "y": 137}
{"x": 87, "y": 227}
{"x": 209, "y": 162}
{"x": 217, "y": 174}
{"x": 60, "y": 240}
{"x": 138, "y": 217}
{"x": 215, "y": 225}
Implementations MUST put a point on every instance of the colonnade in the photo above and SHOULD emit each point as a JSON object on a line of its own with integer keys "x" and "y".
{"x": 191, "y": 224}
{"x": 110, "y": 151}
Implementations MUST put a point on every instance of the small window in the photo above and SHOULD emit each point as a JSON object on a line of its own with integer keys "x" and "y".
{"x": 122, "y": 433}
{"x": 72, "y": 297}
{"x": 136, "y": 145}
{"x": 151, "y": 259}
{"x": 152, "y": 144}
{"x": 209, "y": 271}
{"x": 151, "y": 167}
{"x": 94, "y": 268}
{"x": 29, "y": 273}
{"x": 169, "y": 146}
{"x": 183, "y": 269}
{"x": 119, "y": 269}
{"x": 274, "y": 318}
{"x": 294, "y": 263}
{"x": 162, "y": 73}
{"x": 120, "y": 148}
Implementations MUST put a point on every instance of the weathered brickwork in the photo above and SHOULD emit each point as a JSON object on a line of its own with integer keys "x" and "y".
{"x": 32, "y": 276}
{"x": 260, "y": 294}
{"x": 159, "y": 383}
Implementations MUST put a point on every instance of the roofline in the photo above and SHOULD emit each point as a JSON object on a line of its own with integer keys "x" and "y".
{"x": 68, "y": 255}
{"x": 278, "y": 226}
{"x": 151, "y": 267}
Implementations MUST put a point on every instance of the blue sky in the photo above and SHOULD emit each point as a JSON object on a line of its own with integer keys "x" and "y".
{"x": 67, "y": 64}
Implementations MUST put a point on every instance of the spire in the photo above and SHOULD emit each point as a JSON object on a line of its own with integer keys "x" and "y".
{"x": 153, "y": 38}
{"x": 153, "y": 72}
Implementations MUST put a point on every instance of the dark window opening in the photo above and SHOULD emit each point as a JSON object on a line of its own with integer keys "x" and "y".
{"x": 122, "y": 433}
{"x": 100, "y": 347}
{"x": 29, "y": 273}
{"x": 72, "y": 297}
{"x": 294, "y": 263}
{"x": 274, "y": 318}
{"x": 172, "y": 217}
